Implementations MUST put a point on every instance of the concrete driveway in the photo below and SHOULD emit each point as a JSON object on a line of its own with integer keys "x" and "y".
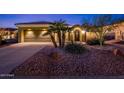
{"x": 14, "y": 55}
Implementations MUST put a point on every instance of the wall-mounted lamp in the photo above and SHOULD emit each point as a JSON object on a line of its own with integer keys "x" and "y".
{"x": 83, "y": 32}
{"x": 29, "y": 32}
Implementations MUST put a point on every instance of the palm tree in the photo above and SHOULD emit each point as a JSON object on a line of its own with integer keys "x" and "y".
{"x": 60, "y": 30}
{"x": 51, "y": 33}
{"x": 66, "y": 28}
{"x": 60, "y": 27}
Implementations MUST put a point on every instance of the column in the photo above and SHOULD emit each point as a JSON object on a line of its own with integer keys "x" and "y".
{"x": 72, "y": 36}
{"x": 81, "y": 36}
{"x": 20, "y": 36}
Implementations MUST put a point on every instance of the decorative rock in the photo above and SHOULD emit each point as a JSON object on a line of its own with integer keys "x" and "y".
{"x": 118, "y": 52}
{"x": 54, "y": 62}
{"x": 55, "y": 55}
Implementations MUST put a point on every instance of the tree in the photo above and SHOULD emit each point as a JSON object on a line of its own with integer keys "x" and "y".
{"x": 58, "y": 27}
{"x": 116, "y": 24}
{"x": 100, "y": 26}
{"x": 66, "y": 28}
{"x": 51, "y": 33}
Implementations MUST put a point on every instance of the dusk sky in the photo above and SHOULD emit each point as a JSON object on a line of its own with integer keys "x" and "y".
{"x": 9, "y": 20}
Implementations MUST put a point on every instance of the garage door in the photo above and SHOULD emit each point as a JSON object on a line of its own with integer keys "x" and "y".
{"x": 35, "y": 36}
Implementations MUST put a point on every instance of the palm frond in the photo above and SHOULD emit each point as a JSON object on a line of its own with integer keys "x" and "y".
{"x": 46, "y": 33}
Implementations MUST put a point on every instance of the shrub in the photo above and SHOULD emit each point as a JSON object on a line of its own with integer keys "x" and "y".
{"x": 74, "y": 48}
{"x": 94, "y": 42}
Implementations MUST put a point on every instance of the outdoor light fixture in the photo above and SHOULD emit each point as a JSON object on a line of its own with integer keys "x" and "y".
{"x": 83, "y": 31}
{"x": 29, "y": 32}
{"x": 44, "y": 29}
{"x": 29, "y": 29}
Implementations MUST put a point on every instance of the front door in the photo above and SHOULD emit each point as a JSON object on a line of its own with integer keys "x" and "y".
{"x": 77, "y": 35}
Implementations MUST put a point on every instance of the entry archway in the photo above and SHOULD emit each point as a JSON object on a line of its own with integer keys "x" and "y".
{"x": 77, "y": 33}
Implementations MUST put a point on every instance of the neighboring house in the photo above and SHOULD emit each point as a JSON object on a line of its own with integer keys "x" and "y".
{"x": 8, "y": 33}
{"x": 33, "y": 32}
{"x": 119, "y": 31}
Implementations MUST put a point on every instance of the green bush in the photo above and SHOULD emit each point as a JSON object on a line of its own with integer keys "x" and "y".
{"x": 94, "y": 42}
{"x": 74, "y": 48}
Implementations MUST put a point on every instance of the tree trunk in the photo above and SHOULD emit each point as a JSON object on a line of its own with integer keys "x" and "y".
{"x": 101, "y": 40}
{"x": 100, "y": 43}
{"x": 53, "y": 40}
{"x": 63, "y": 39}
{"x": 59, "y": 37}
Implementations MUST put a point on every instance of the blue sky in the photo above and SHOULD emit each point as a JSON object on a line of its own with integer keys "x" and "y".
{"x": 8, "y": 20}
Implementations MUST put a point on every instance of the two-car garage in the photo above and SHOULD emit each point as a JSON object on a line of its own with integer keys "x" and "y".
{"x": 36, "y": 36}
{"x": 33, "y": 32}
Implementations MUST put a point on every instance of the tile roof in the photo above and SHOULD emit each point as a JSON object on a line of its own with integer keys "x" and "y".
{"x": 9, "y": 29}
{"x": 39, "y": 22}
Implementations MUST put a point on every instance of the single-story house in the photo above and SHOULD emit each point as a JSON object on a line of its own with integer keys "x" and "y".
{"x": 8, "y": 33}
{"x": 119, "y": 31}
{"x": 33, "y": 32}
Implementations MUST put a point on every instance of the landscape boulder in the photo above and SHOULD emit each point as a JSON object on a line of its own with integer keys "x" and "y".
{"x": 118, "y": 52}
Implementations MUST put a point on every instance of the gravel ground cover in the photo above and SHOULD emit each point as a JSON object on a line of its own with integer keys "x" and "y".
{"x": 51, "y": 62}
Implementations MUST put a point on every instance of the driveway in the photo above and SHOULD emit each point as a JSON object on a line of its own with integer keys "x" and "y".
{"x": 14, "y": 55}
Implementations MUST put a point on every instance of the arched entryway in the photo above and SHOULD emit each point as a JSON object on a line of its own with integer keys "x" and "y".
{"x": 77, "y": 33}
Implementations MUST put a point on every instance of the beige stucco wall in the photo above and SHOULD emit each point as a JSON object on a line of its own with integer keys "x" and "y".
{"x": 89, "y": 35}
{"x": 119, "y": 31}
{"x": 20, "y": 36}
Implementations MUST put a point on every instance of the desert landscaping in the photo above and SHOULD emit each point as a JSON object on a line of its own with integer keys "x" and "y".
{"x": 56, "y": 49}
{"x": 53, "y": 63}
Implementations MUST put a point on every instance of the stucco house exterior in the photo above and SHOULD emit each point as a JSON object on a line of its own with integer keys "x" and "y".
{"x": 33, "y": 32}
{"x": 119, "y": 31}
{"x": 8, "y": 33}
